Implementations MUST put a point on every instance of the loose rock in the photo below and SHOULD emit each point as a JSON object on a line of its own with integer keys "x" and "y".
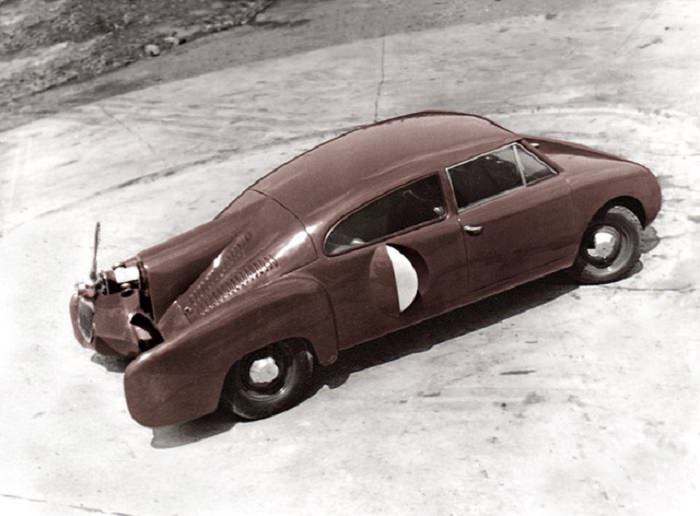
{"x": 152, "y": 50}
{"x": 173, "y": 41}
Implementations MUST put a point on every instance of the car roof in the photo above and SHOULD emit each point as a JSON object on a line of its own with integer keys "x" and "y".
{"x": 363, "y": 163}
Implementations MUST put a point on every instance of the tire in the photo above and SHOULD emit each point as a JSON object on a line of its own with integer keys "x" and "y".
{"x": 610, "y": 247}
{"x": 252, "y": 390}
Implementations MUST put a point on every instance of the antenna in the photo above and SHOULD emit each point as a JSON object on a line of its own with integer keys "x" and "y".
{"x": 93, "y": 271}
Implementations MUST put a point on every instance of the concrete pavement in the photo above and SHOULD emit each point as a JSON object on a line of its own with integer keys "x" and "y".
{"x": 424, "y": 421}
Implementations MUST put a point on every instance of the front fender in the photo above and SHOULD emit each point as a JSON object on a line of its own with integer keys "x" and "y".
{"x": 181, "y": 379}
{"x": 593, "y": 190}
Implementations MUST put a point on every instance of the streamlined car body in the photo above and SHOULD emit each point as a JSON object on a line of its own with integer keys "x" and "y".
{"x": 373, "y": 231}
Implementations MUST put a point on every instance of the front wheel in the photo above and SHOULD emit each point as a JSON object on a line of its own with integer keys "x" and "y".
{"x": 269, "y": 380}
{"x": 610, "y": 247}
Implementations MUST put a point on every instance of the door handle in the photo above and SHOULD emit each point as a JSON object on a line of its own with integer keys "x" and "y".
{"x": 472, "y": 230}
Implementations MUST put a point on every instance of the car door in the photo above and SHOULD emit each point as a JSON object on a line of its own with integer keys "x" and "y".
{"x": 397, "y": 260}
{"x": 516, "y": 215}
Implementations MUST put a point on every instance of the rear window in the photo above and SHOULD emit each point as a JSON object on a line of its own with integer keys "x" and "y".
{"x": 411, "y": 205}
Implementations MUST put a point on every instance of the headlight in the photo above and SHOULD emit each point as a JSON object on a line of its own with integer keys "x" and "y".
{"x": 86, "y": 314}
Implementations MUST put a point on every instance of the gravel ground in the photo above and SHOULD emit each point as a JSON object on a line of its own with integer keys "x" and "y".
{"x": 286, "y": 28}
{"x": 46, "y": 43}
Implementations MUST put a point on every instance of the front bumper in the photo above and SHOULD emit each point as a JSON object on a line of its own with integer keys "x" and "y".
{"x": 104, "y": 323}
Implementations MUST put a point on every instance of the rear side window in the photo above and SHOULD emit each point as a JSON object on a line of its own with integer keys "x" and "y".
{"x": 485, "y": 176}
{"x": 411, "y": 205}
{"x": 533, "y": 168}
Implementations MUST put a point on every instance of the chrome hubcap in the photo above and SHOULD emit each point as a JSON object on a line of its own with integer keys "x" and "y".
{"x": 263, "y": 370}
{"x": 604, "y": 243}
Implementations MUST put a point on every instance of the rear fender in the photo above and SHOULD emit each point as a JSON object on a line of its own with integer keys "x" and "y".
{"x": 182, "y": 378}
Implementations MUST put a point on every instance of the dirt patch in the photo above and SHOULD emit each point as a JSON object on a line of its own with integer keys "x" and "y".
{"x": 533, "y": 398}
{"x": 45, "y": 43}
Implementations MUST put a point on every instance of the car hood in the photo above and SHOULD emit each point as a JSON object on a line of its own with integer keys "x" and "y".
{"x": 253, "y": 241}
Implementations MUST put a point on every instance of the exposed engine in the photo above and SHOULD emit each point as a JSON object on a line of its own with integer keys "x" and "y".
{"x": 120, "y": 289}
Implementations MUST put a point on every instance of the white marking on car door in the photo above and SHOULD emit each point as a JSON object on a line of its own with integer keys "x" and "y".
{"x": 405, "y": 276}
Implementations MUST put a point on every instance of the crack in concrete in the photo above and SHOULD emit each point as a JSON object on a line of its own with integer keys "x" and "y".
{"x": 685, "y": 289}
{"x": 85, "y": 508}
{"x": 636, "y": 28}
{"x": 380, "y": 84}
{"x": 672, "y": 154}
{"x": 655, "y": 41}
{"x": 128, "y": 129}
{"x": 586, "y": 108}
{"x": 681, "y": 187}
{"x": 146, "y": 178}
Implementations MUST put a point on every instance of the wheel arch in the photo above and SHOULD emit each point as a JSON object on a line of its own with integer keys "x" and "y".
{"x": 626, "y": 201}
{"x": 182, "y": 378}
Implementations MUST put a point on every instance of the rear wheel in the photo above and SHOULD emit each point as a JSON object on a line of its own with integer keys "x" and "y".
{"x": 610, "y": 247}
{"x": 269, "y": 380}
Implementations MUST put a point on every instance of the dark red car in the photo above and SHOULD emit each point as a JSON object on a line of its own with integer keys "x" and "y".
{"x": 375, "y": 230}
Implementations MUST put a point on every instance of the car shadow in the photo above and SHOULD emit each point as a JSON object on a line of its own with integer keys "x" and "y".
{"x": 190, "y": 432}
{"x": 113, "y": 364}
{"x": 457, "y": 323}
{"x": 650, "y": 239}
{"x": 415, "y": 339}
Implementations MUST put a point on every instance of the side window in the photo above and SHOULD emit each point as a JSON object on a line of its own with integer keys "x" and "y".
{"x": 485, "y": 176}
{"x": 411, "y": 205}
{"x": 533, "y": 168}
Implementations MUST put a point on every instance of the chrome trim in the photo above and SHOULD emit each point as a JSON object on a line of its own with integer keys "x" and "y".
{"x": 519, "y": 164}
{"x": 263, "y": 371}
{"x": 472, "y": 230}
